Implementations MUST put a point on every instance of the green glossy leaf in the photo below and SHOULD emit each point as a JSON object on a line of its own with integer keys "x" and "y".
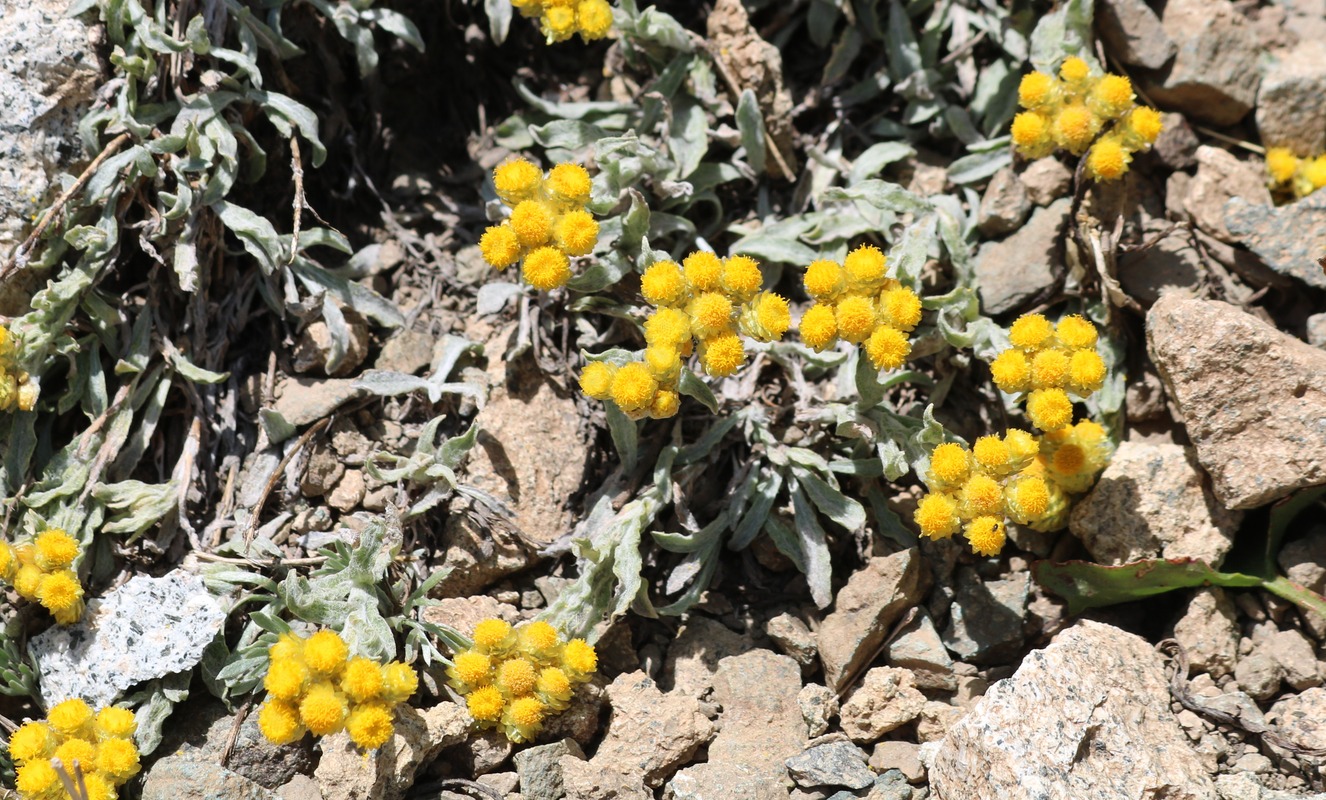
{"x": 1086, "y": 585}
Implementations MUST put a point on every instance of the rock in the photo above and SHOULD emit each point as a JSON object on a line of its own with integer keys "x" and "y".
{"x": 1304, "y": 560}
{"x": 761, "y": 727}
{"x": 178, "y": 777}
{"x": 1005, "y": 204}
{"x": 48, "y": 77}
{"x": 483, "y": 752}
{"x": 831, "y": 764}
{"x": 540, "y": 769}
{"x": 693, "y": 656}
{"x": 1288, "y": 238}
{"x": 463, "y": 613}
{"x": 793, "y": 638}
{"x": 819, "y": 705}
{"x": 985, "y": 622}
{"x": 865, "y": 610}
{"x": 902, "y": 756}
{"x": 1068, "y": 725}
{"x": 1301, "y": 718}
{"x": 649, "y": 733}
{"x": 407, "y": 351}
{"x": 1292, "y": 100}
{"x": 300, "y": 787}
{"x": 1171, "y": 262}
{"x": 886, "y": 700}
{"x": 892, "y": 785}
{"x": 935, "y": 719}
{"x": 1220, "y": 177}
{"x": 1252, "y": 762}
{"x": 1011, "y": 272}
{"x": 344, "y": 773}
{"x": 1253, "y": 399}
{"x": 1047, "y": 180}
{"x": 306, "y": 400}
{"x": 201, "y": 727}
{"x": 531, "y": 454}
{"x": 478, "y": 554}
{"x": 1259, "y": 675}
{"x": 503, "y": 783}
{"x": 349, "y": 492}
{"x": 324, "y": 469}
{"x": 918, "y": 648}
{"x": 1133, "y": 34}
{"x": 1243, "y": 786}
{"x": 1214, "y": 74}
{"x": 1153, "y": 500}
{"x": 586, "y": 781}
{"x": 1316, "y": 327}
{"x": 1296, "y": 657}
{"x": 1209, "y": 632}
{"x": 581, "y": 721}
{"x": 756, "y": 65}
{"x": 313, "y": 350}
{"x": 1176, "y": 147}
{"x": 927, "y": 180}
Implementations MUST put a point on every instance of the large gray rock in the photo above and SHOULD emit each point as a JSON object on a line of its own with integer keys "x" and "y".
{"x": 837, "y": 763}
{"x": 1172, "y": 262}
{"x": 540, "y": 769}
{"x": 1154, "y": 500}
{"x": 1214, "y": 74}
{"x": 179, "y": 777}
{"x": 1288, "y": 238}
{"x": 1253, "y": 399}
{"x": 918, "y": 648}
{"x": 1087, "y": 718}
{"x": 1291, "y": 104}
{"x": 694, "y": 655}
{"x": 1220, "y": 177}
{"x": 1009, "y": 273}
{"x": 986, "y": 620}
{"x": 865, "y": 610}
{"x": 1133, "y": 33}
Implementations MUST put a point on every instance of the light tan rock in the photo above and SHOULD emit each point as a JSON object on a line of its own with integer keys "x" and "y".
{"x": 1209, "y": 632}
{"x": 886, "y": 700}
{"x": 1292, "y": 101}
{"x": 649, "y": 733}
{"x": 1214, "y": 73}
{"x": 1132, "y": 32}
{"x": 1046, "y": 180}
{"x": 865, "y": 610}
{"x": 345, "y": 773}
{"x": 1220, "y": 176}
{"x": 694, "y": 655}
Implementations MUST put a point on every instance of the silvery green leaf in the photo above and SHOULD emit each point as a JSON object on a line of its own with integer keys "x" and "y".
{"x": 831, "y": 502}
{"x": 691, "y": 386}
{"x": 900, "y": 44}
{"x": 285, "y": 111}
{"x": 815, "y": 549}
{"x": 85, "y": 237}
{"x": 499, "y": 19}
{"x": 700, "y": 448}
{"x": 449, "y": 353}
{"x": 880, "y": 194}
{"x": 257, "y": 235}
{"x": 775, "y": 249}
{"x": 604, "y": 272}
{"x": 845, "y": 52}
{"x": 890, "y": 525}
{"x": 769, "y": 483}
{"x": 625, "y": 436}
{"x": 155, "y": 703}
{"x": 908, "y": 257}
{"x": 821, "y": 18}
{"x": 324, "y": 237}
{"x": 395, "y": 23}
{"x": 568, "y": 134}
{"x": 750, "y": 123}
{"x": 587, "y": 111}
{"x": 367, "y": 302}
{"x": 136, "y": 506}
{"x": 688, "y": 136}
{"x": 858, "y": 467}
{"x": 1064, "y": 32}
{"x": 978, "y": 166}
{"x": 653, "y": 25}
{"x": 877, "y": 157}
{"x": 635, "y": 223}
{"x": 275, "y": 425}
{"x": 195, "y": 373}
{"x": 869, "y": 390}
{"x": 493, "y": 297}
{"x": 338, "y": 333}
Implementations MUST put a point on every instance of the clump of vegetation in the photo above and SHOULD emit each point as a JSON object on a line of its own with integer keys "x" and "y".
{"x": 40, "y": 571}
{"x": 1287, "y": 174}
{"x": 94, "y": 750}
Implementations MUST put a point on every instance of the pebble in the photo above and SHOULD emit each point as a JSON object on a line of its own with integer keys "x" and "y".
{"x": 902, "y": 756}
{"x": 1221, "y": 177}
{"x": 1294, "y": 653}
{"x": 1289, "y": 239}
{"x": 793, "y": 638}
{"x": 886, "y": 699}
{"x": 819, "y": 705}
{"x": 1208, "y": 632}
{"x": 1214, "y": 73}
{"x": 1316, "y": 327}
{"x": 649, "y": 733}
{"x": 985, "y": 621}
{"x": 919, "y": 649}
{"x": 866, "y": 609}
{"x": 1013, "y": 271}
{"x": 831, "y": 764}
{"x": 345, "y": 773}
{"x": 1133, "y": 33}
{"x": 1004, "y": 205}
{"x": 1258, "y": 674}
{"x": 1291, "y": 103}
{"x": 694, "y": 654}
{"x": 540, "y": 769}
{"x": 1047, "y": 180}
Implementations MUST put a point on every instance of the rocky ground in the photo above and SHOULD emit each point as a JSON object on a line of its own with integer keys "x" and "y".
{"x": 933, "y": 673}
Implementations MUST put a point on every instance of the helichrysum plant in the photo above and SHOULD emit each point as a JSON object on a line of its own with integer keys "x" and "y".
{"x": 1048, "y": 365}
{"x": 855, "y": 301}
{"x": 548, "y": 225}
{"x": 17, "y": 389}
{"x": 561, "y": 19}
{"x": 514, "y": 679}
{"x": 1071, "y": 112}
{"x": 101, "y": 744}
{"x": 40, "y": 571}
{"x": 1287, "y": 173}
{"x": 315, "y": 686}
{"x": 702, "y": 306}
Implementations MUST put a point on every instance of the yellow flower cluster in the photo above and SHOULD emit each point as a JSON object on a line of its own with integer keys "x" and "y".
{"x": 856, "y": 302}
{"x": 16, "y": 390}
{"x": 1021, "y": 477}
{"x": 701, "y": 306}
{"x": 548, "y": 223}
{"x": 1070, "y": 112}
{"x": 40, "y": 570}
{"x": 562, "y": 19}
{"x": 515, "y": 678}
{"x": 1288, "y": 172}
{"x": 314, "y": 685}
{"x": 1047, "y": 362}
{"x": 100, "y": 743}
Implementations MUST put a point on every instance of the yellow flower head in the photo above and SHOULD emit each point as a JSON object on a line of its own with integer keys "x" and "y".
{"x": 113, "y": 722}
{"x": 362, "y": 680}
{"x": 704, "y": 270}
{"x": 286, "y": 679}
{"x": 569, "y": 184}
{"x": 537, "y": 638}
{"x": 1011, "y": 371}
{"x": 8, "y": 561}
{"x": 490, "y": 635}
{"x": 663, "y": 361}
{"x": 370, "y": 725}
{"x": 864, "y": 267}
{"x": 55, "y": 550}
{"x": 83, "y": 752}
{"x": 1032, "y": 134}
{"x": 1075, "y": 332}
{"x": 767, "y": 317}
{"x": 579, "y": 659}
{"x": 470, "y": 668}
{"x": 98, "y": 786}
{"x": 1108, "y": 160}
{"x": 485, "y": 704}
{"x": 532, "y": 222}
{"x": 517, "y": 181}
{"x": 1074, "y": 70}
{"x": 741, "y": 277}
{"x": 500, "y": 246}
{"x": 117, "y": 759}
{"x": 325, "y": 653}
{"x": 399, "y": 682}
{"x": 856, "y": 318}
{"x": 515, "y": 677}
{"x": 1049, "y": 409}
{"x": 37, "y": 779}
{"x": 559, "y": 23}
{"x": 1030, "y": 332}
{"x": 711, "y": 314}
{"x": 937, "y": 516}
{"x": 553, "y": 687}
{"x": 576, "y": 233}
{"x": 950, "y": 464}
{"x": 1027, "y": 497}
{"x": 594, "y": 18}
{"x": 1022, "y": 448}
{"x": 1075, "y": 127}
{"x": 662, "y": 284}
{"x": 1049, "y": 368}
{"x": 523, "y": 718}
{"x": 1280, "y": 165}
{"x": 279, "y": 722}
{"x": 819, "y": 327}
{"x": 1144, "y": 124}
{"x": 668, "y": 326}
{"x": 1314, "y": 174}
{"x": 722, "y": 355}
{"x": 288, "y": 646}
{"x": 546, "y": 268}
{"x": 71, "y": 719}
{"x": 888, "y": 347}
{"x": 62, "y": 594}
{"x": 666, "y": 404}
{"x": 1035, "y": 90}
{"x": 992, "y": 455}
{"x": 900, "y": 307}
{"x": 986, "y": 535}
{"x": 981, "y": 495}
{"x": 32, "y": 741}
{"x": 633, "y": 387}
{"x": 596, "y": 379}
{"x": 323, "y": 709}
{"x": 823, "y": 279}
{"x": 1086, "y": 372}
{"x": 1111, "y": 96}
{"x": 27, "y": 579}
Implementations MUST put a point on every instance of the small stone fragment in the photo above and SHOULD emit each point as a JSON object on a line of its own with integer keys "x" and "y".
{"x": 1291, "y": 103}
{"x": 540, "y": 769}
{"x": 1220, "y": 177}
{"x": 313, "y": 351}
{"x": 919, "y": 649}
{"x": 831, "y": 764}
{"x": 886, "y": 699}
{"x": 306, "y": 400}
{"x": 819, "y": 705}
{"x": 1047, "y": 180}
{"x": 985, "y": 622}
{"x": 865, "y": 610}
{"x": 1317, "y": 330}
{"x": 792, "y": 637}
{"x": 585, "y": 780}
{"x": 1132, "y": 32}
{"x": 349, "y": 491}
{"x": 324, "y": 469}
{"x": 694, "y": 655}
{"x": 902, "y": 756}
{"x": 1010, "y": 272}
{"x": 1005, "y": 204}
{"x": 407, "y": 352}
{"x": 178, "y": 777}
{"x": 1288, "y": 238}
{"x": 346, "y": 773}
{"x": 1214, "y": 73}
{"x": 1258, "y": 674}
{"x": 649, "y": 733}
{"x": 1173, "y": 262}
{"x": 463, "y": 613}
{"x": 1296, "y": 657}
{"x": 1209, "y": 633}
{"x": 1301, "y": 718}
{"x": 1177, "y": 145}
